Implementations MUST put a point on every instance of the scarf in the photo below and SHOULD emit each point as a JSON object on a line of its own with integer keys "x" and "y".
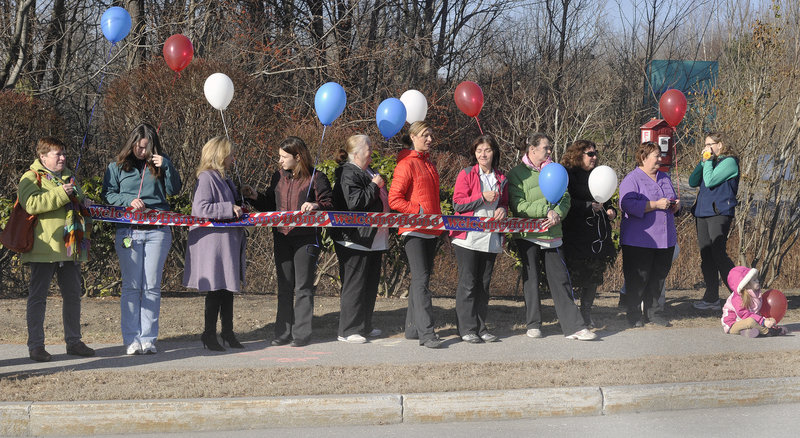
{"x": 528, "y": 163}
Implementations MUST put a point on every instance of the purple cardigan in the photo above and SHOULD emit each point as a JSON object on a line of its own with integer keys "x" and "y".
{"x": 654, "y": 229}
{"x": 215, "y": 257}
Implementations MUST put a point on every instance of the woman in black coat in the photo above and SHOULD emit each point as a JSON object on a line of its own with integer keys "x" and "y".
{"x": 588, "y": 248}
{"x": 360, "y": 249}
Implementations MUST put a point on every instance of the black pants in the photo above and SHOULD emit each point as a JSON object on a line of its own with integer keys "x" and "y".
{"x": 472, "y": 295}
{"x": 219, "y": 302}
{"x": 295, "y": 265}
{"x": 419, "y": 316}
{"x": 645, "y": 270}
{"x": 712, "y": 238}
{"x": 560, "y": 287}
{"x": 360, "y": 272}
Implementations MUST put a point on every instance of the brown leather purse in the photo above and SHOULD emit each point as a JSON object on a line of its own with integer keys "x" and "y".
{"x": 18, "y": 233}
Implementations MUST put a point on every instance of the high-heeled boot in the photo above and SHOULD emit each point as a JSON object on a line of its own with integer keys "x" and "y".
{"x": 226, "y": 317}
{"x": 209, "y": 336}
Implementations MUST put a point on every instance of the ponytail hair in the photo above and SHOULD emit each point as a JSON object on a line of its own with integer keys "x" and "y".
{"x": 416, "y": 128}
{"x": 353, "y": 146}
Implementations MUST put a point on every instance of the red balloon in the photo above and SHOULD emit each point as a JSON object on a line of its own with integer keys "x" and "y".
{"x": 469, "y": 98}
{"x": 672, "y": 106}
{"x": 773, "y": 304}
{"x": 178, "y": 52}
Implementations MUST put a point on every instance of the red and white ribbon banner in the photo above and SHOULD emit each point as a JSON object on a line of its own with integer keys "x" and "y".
{"x": 127, "y": 215}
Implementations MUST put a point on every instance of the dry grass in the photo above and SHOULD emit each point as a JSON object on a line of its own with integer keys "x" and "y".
{"x": 182, "y": 320}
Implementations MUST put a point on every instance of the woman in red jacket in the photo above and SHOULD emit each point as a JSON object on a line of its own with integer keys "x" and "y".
{"x": 480, "y": 190}
{"x": 415, "y": 190}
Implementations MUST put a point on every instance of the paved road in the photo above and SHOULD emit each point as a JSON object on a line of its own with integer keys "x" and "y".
{"x": 612, "y": 345}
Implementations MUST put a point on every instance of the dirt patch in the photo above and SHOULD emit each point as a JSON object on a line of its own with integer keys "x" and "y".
{"x": 181, "y": 319}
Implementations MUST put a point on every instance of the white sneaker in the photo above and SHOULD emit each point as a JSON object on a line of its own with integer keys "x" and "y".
{"x": 375, "y": 333}
{"x": 149, "y": 348}
{"x": 534, "y": 333}
{"x": 583, "y": 335}
{"x": 353, "y": 339}
{"x": 134, "y": 348}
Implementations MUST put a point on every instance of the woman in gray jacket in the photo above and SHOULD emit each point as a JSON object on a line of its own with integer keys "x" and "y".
{"x": 215, "y": 257}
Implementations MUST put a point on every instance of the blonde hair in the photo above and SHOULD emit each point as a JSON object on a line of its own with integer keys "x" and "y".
{"x": 355, "y": 144}
{"x": 213, "y": 156}
{"x": 416, "y": 128}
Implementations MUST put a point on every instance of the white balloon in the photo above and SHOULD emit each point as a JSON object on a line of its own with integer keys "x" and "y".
{"x": 416, "y": 105}
{"x": 602, "y": 183}
{"x": 219, "y": 90}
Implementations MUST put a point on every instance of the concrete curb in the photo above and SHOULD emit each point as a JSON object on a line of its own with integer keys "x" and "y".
{"x": 86, "y": 418}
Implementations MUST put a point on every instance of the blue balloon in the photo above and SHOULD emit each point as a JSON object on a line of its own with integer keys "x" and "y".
{"x": 391, "y": 116}
{"x": 116, "y": 23}
{"x": 553, "y": 180}
{"x": 330, "y": 102}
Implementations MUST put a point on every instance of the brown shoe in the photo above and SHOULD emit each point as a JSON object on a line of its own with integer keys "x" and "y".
{"x": 79, "y": 349}
{"x": 39, "y": 354}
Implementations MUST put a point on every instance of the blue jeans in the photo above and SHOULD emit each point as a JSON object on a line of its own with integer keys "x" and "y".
{"x": 142, "y": 267}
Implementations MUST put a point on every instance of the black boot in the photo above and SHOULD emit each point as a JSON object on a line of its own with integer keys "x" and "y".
{"x": 587, "y": 300}
{"x": 226, "y": 316}
{"x": 209, "y": 336}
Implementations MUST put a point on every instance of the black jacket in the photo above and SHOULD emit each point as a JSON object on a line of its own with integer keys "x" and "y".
{"x": 354, "y": 191}
{"x": 581, "y": 225}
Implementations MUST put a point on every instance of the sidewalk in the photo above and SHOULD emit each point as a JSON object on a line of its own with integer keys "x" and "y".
{"x": 85, "y": 418}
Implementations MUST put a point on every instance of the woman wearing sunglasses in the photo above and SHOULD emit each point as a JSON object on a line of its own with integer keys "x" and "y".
{"x": 296, "y": 186}
{"x": 588, "y": 249}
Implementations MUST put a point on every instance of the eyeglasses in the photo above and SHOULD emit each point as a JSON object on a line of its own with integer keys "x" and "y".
{"x": 591, "y": 154}
{"x": 711, "y": 144}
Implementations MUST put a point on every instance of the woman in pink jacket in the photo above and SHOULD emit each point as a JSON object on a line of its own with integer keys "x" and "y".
{"x": 480, "y": 190}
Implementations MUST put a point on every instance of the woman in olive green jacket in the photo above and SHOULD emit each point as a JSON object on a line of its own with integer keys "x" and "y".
{"x": 49, "y": 191}
{"x": 528, "y": 201}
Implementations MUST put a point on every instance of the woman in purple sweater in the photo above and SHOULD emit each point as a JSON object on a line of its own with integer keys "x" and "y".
{"x": 215, "y": 257}
{"x": 647, "y": 234}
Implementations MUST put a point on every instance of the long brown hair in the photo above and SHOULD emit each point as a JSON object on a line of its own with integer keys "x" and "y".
{"x": 296, "y": 147}
{"x": 126, "y": 158}
{"x": 722, "y": 139}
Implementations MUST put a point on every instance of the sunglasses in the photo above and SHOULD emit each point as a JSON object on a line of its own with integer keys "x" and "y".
{"x": 591, "y": 154}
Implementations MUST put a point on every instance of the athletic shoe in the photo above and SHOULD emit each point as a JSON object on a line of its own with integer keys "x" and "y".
{"x": 750, "y": 333}
{"x": 149, "y": 348}
{"x": 375, "y": 333}
{"x": 705, "y": 305}
{"x": 472, "y": 338}
{"x": 353, "y": 339}
{"x": 534, "y": 333}
{"x": 134, "y": 348}
{"x": 583, "y": 335}
{"x": 488, "y": 337}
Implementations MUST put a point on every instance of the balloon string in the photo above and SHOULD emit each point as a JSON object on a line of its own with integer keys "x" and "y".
{"x": 316, "y": 161}
{"x": 479, "y": 125}
{"x": 224, "y": 125}
{"x": 164, "y": 114}
{"x": 677, "y": 175}
{"x": 91, "y": 114}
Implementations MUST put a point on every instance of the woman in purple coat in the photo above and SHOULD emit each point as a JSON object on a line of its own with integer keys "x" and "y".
{"x": 215, "y": 257}
{"x": 647, "y": 234}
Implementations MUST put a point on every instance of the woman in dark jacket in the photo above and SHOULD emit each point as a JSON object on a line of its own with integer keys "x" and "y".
{"x": 588, "y": 249}
{"x": 359, "y": 250}
{"x": 717, "y": 176}
{"x": 297, "y": 186}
